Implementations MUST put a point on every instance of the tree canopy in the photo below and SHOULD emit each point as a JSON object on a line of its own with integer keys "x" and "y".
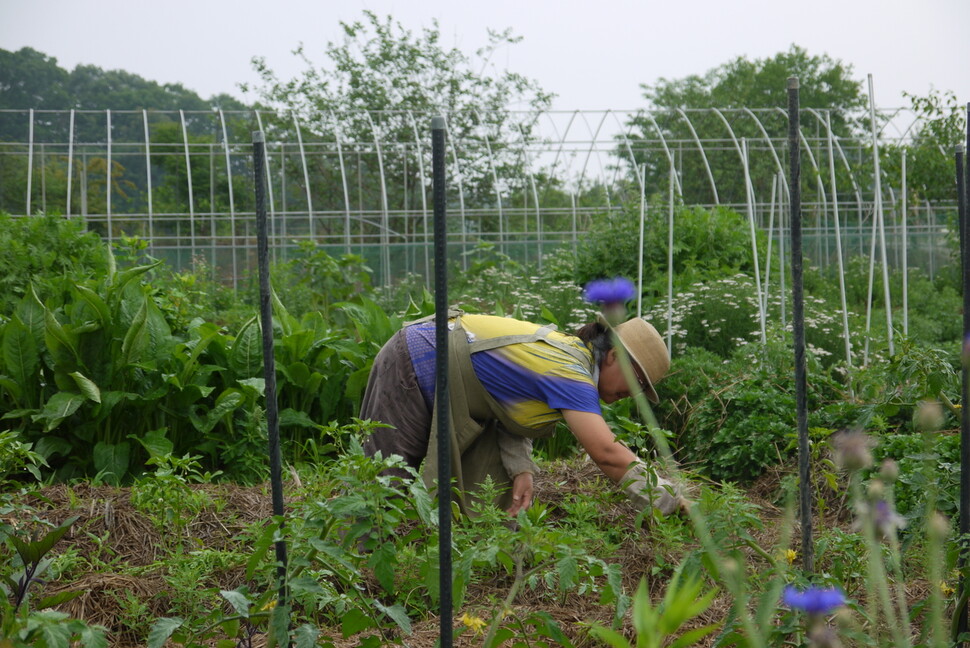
{"x": 381, "y": 83}
{"x": 760, "y": 86}
{"x": 31, "y": 79}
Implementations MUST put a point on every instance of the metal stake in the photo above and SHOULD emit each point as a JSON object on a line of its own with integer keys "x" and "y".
{"x": 269, "y": 363}
{"x": 964, "y": 524}
{"x": 441, "y": 376}
{"x": 798, "y": 327}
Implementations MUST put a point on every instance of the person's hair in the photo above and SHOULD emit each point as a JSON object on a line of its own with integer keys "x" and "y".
{"x": 597, "y": 337}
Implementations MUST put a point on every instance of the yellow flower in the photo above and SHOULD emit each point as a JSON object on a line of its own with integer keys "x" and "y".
{"x": 790, "y": 556}
{"x": 269, "y": 606}
{"x": 946, "y": 589}
{"x": 476, "y": 624}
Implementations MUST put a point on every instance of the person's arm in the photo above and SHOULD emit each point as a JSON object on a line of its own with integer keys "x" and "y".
{"x": 596, "y": 437}
{"x": 620, "y": 464}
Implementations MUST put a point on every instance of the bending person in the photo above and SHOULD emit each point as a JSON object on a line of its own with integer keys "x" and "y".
{"x": 510, "y": 381}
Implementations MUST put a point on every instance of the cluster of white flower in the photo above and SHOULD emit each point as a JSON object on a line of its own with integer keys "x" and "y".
{"x": 730, "y": 308}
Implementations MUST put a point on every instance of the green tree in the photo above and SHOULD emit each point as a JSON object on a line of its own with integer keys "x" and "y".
{"x": 930, "y": 161}
{"x": 376, "y": 93}
{"x": 761, "y": 87}
{"x": 32, "y": 80}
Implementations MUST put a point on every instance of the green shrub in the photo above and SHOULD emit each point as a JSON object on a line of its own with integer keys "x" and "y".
{"x": 313, "y": 280}
{"x": 707, "y": 245}
{"x": 928, "y": 463}
{"x": 890, "y": 388}
{"x": 51, "y": 252}
{"x": 933, "y": 310}
{"x": 742, "y": 424}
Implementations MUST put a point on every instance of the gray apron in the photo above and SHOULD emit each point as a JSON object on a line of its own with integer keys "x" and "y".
{"x": 476, "y": 418}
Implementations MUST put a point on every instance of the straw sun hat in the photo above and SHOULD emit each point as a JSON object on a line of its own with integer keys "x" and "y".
{"x": 647, "y": 349}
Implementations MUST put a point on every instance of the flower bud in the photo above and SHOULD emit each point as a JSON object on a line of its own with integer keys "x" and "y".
{"x": 877, "y": 489}
{"x": 929, "y": 416}
{"x": 889, "y": 471}
{"x": 853, "y": 449}
{"x": 938, "y": 526}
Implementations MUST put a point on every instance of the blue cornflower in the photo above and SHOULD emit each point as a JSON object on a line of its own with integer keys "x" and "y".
{"x": 814, "y": 600}
{"x": 610, "y": 291}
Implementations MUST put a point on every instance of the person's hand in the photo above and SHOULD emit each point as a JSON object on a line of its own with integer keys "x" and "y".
{"x": 651, "y": 490}
{"x": 521, "y": 493}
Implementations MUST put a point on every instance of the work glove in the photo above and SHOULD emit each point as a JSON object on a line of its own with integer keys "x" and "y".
{"x": 647, "y": 489}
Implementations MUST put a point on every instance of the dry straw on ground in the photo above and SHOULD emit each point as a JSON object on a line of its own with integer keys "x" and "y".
{"x": 111, "y": 531}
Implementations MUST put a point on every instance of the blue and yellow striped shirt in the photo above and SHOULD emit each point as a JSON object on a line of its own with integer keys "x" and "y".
{"x": 533, "y": 380}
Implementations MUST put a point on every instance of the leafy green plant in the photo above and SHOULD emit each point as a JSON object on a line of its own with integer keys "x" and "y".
{"x": 929, "y": 466}
{"x": 16, "y": 457}
{"x": 47, "y": 251}
{"x": 314, "y": 281}
{"x": 25, "y": 623}
{"x": 892, "y": 390}
{"x": 166, "y": 496}
{"x": 95, "y": 362}
{"x": 684, "y": 600}
{"x": 708, "y": 246}
{"x": 534, "y": 555}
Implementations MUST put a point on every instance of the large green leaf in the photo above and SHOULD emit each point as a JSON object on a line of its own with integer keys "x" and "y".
{"x": 246, "y": 354}
{"x": 87, "y": 386}
{"x": 57, "y": 408}
{"x": 297, "y": 373}
{"x": 306, "y": 636}
{"x": 57, "y": 599}
{"x": 60, "y": 342}
{"x": 191, "y": 363}
{"x": 112, "y": 458}
{"x": 296, "y": 346}
{"x": 20, "y": 357}
{"x": 119, "y": 281}
{"x": 226, "y": 403}
{"x": 50, "y": 445}
{"x": 31, "y": 312}
{"x": 239, "y": 602}
{"x": 354, "y": 621}
{"x": 159, "y": 334}
{"x": 100, "y": 308}
{"x": 109, "y": 400}
{"x": 15, "y": 388}
{"x": 162, "y": 630}
{"x": 397, "y": 613}
{"x": 155, "y": 442}
{"x": 136, "y": 339}
{"x": 287, "y": 322}
{"x": 32, "y": 552}
{"x": 290, "y": 417}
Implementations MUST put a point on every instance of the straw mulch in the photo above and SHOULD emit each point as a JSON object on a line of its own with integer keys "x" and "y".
{"x": 109, "y": 530}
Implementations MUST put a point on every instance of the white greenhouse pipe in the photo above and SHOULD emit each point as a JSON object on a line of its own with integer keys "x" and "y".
{"x": 188, "y": 177}
{"x": 70, "y": 165}
{"x": 148, "y": 178}
{"x": 838, "y": 244}
{"x": 269, "y": 191}
{"x": 879, "y": 217}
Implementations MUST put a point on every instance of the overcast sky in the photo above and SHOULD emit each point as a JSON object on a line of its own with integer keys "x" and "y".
{"x": 593, "y": 54}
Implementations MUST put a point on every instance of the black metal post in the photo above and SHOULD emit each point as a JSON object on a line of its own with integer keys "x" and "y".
{"x": 269, "y": 362}
{"x": 964, "y": 520}
{"x": 798, "y": 327}
{"x": 441, "y": 376}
